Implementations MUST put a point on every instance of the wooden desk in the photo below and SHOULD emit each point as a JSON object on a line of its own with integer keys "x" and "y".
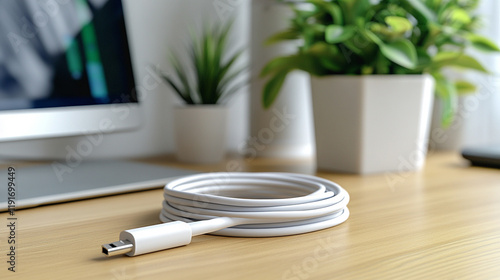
{"x": 441, "y": 223}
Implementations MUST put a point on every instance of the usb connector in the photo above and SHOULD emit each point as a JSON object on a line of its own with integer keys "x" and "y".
{"x": 117, "y": 248}
{"x": 149, "y": 239}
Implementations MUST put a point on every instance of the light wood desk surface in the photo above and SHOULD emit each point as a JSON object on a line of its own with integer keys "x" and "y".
{"x": 440, "y": 223}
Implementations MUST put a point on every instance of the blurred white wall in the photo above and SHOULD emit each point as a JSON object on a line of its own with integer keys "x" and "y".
{"x": 155, "y": 27}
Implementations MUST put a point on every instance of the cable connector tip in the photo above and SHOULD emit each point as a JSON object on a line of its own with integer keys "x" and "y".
{"x": 117, "y": 248}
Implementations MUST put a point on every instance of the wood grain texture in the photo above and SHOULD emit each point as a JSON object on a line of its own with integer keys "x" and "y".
{"x": 440, "y": 223}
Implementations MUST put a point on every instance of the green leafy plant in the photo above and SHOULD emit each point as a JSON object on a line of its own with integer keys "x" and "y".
{"x": 363, "y": 37}
{"x": 211, "y": 75}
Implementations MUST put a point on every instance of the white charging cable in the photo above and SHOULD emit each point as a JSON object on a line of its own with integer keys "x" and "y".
{"x": 237, "y": 204}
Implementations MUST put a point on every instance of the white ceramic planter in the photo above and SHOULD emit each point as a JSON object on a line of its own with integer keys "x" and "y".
{"x": 200, "y": 133}
{"x": 372, "y": 124}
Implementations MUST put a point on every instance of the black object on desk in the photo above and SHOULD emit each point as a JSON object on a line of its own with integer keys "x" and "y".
{"x": 485, "y": 156}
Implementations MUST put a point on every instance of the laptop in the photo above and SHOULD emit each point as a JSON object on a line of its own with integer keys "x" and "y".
{"x": 51, "y": 183}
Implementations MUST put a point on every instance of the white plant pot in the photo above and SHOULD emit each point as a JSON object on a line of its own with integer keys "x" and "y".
{"x": 200, "y": 133}
{"x": 372, "y": 124}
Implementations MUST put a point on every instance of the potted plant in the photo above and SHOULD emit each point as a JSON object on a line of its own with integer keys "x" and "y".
{"x": 374, "y": 65}
{"x": 204, "y": 83}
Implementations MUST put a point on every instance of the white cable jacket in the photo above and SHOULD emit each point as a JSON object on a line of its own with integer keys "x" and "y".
{"x": 255, "y": 204}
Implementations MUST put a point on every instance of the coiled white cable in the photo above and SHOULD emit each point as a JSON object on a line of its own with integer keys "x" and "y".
{"x": 238, "y": 204}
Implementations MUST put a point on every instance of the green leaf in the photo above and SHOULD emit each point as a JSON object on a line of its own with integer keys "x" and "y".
{"x": 423, "y": 13}
{"x": 382, "y": 65}
{"x": 225, "y": 77}
{"x": 336, "y": 13}
{"x": 337, "y": 34}
{"x": 443, "y": 59}
{"x": 312, "y": 32}
{"x": 272, "y": 88}
{"x": 359, "y": 8}
{"x": 184, "y": 92}
{"x": 323, "y": 49}
{"x": 177, "y": 89}
{"x": 400, "y": 51}
{"x": 225, "y": 67}
{"x": 460, "y": 16}
{"x": 181, "y": 72}
{"x": 290, "y": 34}
{"x": 465, "y": 61}
{"x": 279, "y": 68}
{"x": 482, "y": 43}
{"x": 424, "y": 59}
{"x": 307, "y": 62}
{"x": 373, "y": 37}
{"x": 278, "y": 64}
{"x": 398, "y": 24}
{"x": 447, "y": 57}
{"x": 331, "y": 65}
{"x": 447, "y": 93}
{"x": 367, "y": 70}
{"x": 326, "y": 55}
{"x": 464, "y": 87}
{"x": 331, "y": 8}
{"x": 378, "y": 28}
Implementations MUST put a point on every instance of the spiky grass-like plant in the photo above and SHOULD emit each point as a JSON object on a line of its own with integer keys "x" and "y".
{"x": 211, "y": 75}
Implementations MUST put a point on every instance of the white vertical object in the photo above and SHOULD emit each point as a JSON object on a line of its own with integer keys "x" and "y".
{"x": 372, "y": 124}
{"x": 284, "y": 130}
{"x": 477, "y": 119}
{"x": 481, "y": 111}
{"x": 200, "y": 133}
